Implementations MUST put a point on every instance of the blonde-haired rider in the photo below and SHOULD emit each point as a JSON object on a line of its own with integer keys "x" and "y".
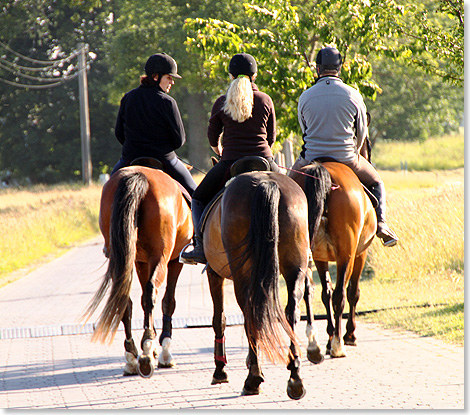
{"x": 242, "y": 123}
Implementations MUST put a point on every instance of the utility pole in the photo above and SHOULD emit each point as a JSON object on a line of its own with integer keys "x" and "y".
{"x": 84, "y": 113}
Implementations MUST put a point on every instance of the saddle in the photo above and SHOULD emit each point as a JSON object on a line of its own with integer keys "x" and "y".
{"x": 157, "y": 164}
{"x": 244, "y": 165}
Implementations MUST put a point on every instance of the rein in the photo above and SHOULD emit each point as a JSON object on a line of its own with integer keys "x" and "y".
{"x": 334, "y": 186}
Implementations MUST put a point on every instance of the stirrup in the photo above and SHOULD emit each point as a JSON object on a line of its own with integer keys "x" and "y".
{"x": 189, "y": 258}
{"x": 387, "y": 236}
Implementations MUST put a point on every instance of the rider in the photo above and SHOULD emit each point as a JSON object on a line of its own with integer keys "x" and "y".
{"x": 242, "y": 123}
{"x": 149, "y": 122}
{"x": 332, "y": 116}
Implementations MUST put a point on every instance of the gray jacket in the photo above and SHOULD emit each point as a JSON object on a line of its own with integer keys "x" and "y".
{"x": 333, "y": 119}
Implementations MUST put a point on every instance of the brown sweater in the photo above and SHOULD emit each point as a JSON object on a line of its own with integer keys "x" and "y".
{"x": 253, "y": 137}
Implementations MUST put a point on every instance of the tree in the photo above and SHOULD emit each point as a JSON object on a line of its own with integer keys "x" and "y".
{"x": 412, "y": 105}
{"x": 282, "y": 34}
{"x": 40, "y": 135}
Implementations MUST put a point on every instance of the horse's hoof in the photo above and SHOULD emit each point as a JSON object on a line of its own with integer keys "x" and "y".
{"x": 295, "y": 389}
{"x": 219, "y": 377}
{"x": 146, "y": 367}
{"x": 130, "y": 368}
{"x": 338, "y": 353}
{"x": 337, "y": 349}
{"x": 350, "y": 340}
{"x": 162, "y": 365}
{"x": 218, "y": 381}
{"x": 250, "y": 391}
{"x": 315, "y": 356}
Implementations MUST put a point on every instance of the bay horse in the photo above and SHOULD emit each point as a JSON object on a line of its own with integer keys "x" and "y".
{"x": 257, "y": 230}
{"x": 342, "y": 225}
{"x": 145, "y": 222}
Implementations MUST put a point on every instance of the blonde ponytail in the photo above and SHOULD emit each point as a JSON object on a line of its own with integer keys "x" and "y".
{"x": 239, "y": 99}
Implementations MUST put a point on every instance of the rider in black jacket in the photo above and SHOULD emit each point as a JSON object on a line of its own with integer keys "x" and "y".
{"x": 149, "y": 122}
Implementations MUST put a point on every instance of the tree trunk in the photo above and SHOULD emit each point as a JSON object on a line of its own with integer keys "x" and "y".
{"x": 196, "y": 131}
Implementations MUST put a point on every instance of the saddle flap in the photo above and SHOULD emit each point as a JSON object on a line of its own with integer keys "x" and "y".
{"x": 147, "y": 162}
{"x": 249, "y": 163}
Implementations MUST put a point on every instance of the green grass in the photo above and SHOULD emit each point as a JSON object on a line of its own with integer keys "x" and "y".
{"x": 433, "y": 154}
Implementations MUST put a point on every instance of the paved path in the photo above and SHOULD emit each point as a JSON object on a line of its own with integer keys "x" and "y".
{"x": 45, "y": 363}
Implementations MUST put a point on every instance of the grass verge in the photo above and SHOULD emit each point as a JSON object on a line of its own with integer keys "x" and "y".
{"x": 420, "y": 282}
{"x": 43, "y": 222}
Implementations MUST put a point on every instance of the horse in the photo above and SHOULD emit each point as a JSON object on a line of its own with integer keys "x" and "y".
{"x": 256, "y": 230}
{"x": 145, "y": 221}
{"x": 342, "y": 225}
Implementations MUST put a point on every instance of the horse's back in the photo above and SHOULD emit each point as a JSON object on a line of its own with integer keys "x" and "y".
{"x": 350, "y": 213}
{"x": 229, "y": 220}
{"x": 164, "y": 218}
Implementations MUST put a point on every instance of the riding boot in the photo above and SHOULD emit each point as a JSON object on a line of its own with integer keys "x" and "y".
{"x": 196, "y": 255}
{"x": 388, "y": 237}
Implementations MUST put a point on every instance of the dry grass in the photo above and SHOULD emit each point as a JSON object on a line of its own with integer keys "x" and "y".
{"x": 420, "y": 282}
{"x": 42, "y": 222}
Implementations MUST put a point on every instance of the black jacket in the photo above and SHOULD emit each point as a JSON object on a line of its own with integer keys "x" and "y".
{"x": 149, "y": 124}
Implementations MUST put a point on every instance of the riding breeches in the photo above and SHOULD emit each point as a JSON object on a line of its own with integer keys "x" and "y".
{"x": 216, "y": 178}
{"x": 363, "y": 169}
{"x": 174, "y": 168}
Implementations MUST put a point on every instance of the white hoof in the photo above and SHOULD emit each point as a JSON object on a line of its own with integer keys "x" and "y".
{"x": 131, "y": 365}
{"x": 165, "y": 359}
{"x": 337, "y": 347}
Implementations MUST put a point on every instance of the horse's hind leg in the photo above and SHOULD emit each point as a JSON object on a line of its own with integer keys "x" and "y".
{"x": 216, "y": 285}
{"x": 326, "y": 296}
{"x": 255, "y": 375}
{"x": 131, "y": 353}
{"x": 314, "y": 354}
{"x": 165, "y": 359}
{"x": 157, "y": 274}
{"x": 295, "y": 290}
{"x": 353, "y": 293}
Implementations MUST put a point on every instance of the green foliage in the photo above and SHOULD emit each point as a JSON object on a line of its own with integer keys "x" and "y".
{"x": 435, "y": 38}
{"x": 412, "y": 105}
{"x": 40, "y": 135}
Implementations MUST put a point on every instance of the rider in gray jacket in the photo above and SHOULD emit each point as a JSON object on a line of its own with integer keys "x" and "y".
{"x": 333, "y": 119}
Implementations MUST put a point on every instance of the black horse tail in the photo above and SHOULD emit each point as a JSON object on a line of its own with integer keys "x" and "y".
{"x": 317, "y": 189}
{"x": 130, "y": 192}
{"x": 263, "y": 311}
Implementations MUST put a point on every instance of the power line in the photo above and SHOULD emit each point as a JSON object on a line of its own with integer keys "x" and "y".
{"x": 16, "y": 69}
{"x": 49, "y": 63}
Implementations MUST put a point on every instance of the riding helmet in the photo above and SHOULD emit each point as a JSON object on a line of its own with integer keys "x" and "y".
{"x": 242, "y": 64}
{"x": 329, "y": 58}
{"x": 161, "y": 63}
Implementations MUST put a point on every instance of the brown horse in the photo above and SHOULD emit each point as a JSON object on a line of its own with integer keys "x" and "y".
{"x": 145, "y": 222}
{"x": 342, "y": 234}
{"x": 255, "y": 231}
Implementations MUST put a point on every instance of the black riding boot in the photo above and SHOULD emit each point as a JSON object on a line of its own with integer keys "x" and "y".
{"x": 196, "y": 255}
{"x": 388, "y": 237}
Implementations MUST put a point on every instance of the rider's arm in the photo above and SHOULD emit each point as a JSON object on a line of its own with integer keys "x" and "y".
{"x": 271, "y": 125}
{"x": 215, "y": 128}
{"x": 175, "y": 124}
{"x": 362, "y": 130}
{"x": 119, "y": 128}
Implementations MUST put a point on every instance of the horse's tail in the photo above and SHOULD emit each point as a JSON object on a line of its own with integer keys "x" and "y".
{"x": 317, "y": 188}
{"x": 131, "y": 190}
{"x": 263, "y": 311}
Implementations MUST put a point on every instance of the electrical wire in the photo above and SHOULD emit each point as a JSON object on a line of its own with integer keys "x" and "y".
{"x": 52, "y": 66}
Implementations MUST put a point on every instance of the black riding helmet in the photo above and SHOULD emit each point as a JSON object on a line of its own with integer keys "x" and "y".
{"x": 162, "y": 64}
{"x": 243, "y": 64}
{"x": 329, "y": 58}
